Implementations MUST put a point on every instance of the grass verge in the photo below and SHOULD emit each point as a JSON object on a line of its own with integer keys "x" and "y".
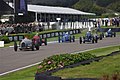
{"x": 25, "y": 74}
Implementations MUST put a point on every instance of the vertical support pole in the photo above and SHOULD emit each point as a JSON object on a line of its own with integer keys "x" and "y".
{"x": 36, "y": 17}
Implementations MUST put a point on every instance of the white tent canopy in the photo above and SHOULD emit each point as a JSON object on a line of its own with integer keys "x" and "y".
{"x": 54, "y": 10}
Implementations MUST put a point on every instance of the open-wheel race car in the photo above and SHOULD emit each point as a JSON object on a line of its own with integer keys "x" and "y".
{"x": 66, "y": 38}
{"x": 24, "y": 44}
{"x": 42, "y": 41}
{"x": 88, "y": 38}
{"x": 27, "y": 44}
{"x": 99, "y": 36}
{"x": 109, "y": 33}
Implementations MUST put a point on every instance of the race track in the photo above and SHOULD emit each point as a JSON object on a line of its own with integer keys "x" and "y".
{"x": 9, "y": 59}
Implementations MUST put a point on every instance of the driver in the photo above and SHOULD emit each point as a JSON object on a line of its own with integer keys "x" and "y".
{"x": 36, "y": 37}
{"x": 88, "y": 34}
{"x": 26, "y": 40}
{"x": 109, "y": 31}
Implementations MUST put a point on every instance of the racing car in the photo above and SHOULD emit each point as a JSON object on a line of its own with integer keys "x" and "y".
{"x": 30, "y": 44}
{"x": 27, "y": 44}
{"x": 42, "y": 41}
{"x": 88, "y": 38}
{"x": 99, "y": 36}
{"x": 66, "y": 38}
{"x": 109, "y": 33}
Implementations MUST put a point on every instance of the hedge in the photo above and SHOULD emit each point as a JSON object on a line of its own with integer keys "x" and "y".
{"x": 5, "y": 39}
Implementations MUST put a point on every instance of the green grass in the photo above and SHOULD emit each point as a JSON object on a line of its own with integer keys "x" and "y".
{"x": 106, "y": 66}
{"x": 104, "y": 51}
{"x": 29, "y": 73}
{"x": 25, "y": 74}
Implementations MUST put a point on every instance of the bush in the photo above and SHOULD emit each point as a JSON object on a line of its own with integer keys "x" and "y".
{"x": 59, "y": 61}
{"x": 5, "y": 39}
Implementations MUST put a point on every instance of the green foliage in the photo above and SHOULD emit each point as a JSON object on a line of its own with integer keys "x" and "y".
{"x": 115, "y": 6}
{"x": 84, "y": 5}
{"x": 5, "y": 39}
{"x": 59, "y": 61}
{"x": 105, "y": 3}
{"x": 98, "y": 6}
{"x": 97, "y": 9}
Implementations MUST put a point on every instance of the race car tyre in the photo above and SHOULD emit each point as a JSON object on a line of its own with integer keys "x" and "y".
{"x": 59, "y": 39}
{"x": 45, "y": 41}
{"x": 15, "y": 46}
{"x": 32, "y": 46}
{"x": 80, "y": 40}
{"x": 37, "y": 45}
{"x": 93, "y": 40}
{"x": 101, "y": 37}
{"x": 114, "y": 34}
{"x": 40, "y": 41}
{"x": 70, "y": 39}
{"x": 73, "y": 38}
{"x": 96, "y": 40}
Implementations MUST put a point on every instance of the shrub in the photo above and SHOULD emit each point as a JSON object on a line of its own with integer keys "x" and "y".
{"x": 5, "y": 39}
{"x": 59, "y": 61}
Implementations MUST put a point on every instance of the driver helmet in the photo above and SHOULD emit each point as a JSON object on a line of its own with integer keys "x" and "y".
{"x": 36, "y": 34}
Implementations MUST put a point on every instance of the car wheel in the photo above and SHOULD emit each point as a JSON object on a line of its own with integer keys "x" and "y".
{"x": 100, "y": 36}
{"x": 80, "y": 40}
{"x": 73, "y": 38}
{"x": 96, "y": 40}
{"x": 32, "y": 46}
{"x": 70, "y": 39}
{"x": 45, "y": 41}
{"x": 15, "y": 46}
{"x": 93, "y": 40}
{"x": 114, "y": 34}
{"x": 59, "y": 39}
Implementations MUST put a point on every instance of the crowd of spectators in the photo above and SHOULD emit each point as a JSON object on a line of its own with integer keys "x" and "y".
{"x": 111, "y": 22}
{"x": 20, "y": 28}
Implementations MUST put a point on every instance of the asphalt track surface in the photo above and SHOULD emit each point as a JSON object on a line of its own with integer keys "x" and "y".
{"x": 10, "y": 60}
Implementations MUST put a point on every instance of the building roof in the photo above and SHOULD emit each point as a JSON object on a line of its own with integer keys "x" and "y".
{"x": 54, "y": 10}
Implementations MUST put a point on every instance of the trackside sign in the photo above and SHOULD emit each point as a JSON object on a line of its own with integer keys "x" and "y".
{"x": 1, "y": 43}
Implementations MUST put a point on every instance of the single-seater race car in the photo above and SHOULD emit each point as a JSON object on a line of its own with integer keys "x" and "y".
{"x": 27, "y": 44}
{"x": 30, "y": 44}
{"x": 66, "y": 38}
{"x": 41, "y": 40}
{"x": 88, "y": 38}
{"x": 109, "y": 33}
{"x": 99, "y": 36}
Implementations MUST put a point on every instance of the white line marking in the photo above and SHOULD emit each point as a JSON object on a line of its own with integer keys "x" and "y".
{"x": 19, "y": 69}
{"x": 40, "y": 62}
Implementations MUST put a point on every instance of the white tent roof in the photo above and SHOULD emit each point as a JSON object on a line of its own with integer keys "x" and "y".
{"x": 55, "y": 10}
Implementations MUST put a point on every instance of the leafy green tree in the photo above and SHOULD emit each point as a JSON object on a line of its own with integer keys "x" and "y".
{"x": 115, "y": 6}
{"x": 84, "y": 5}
